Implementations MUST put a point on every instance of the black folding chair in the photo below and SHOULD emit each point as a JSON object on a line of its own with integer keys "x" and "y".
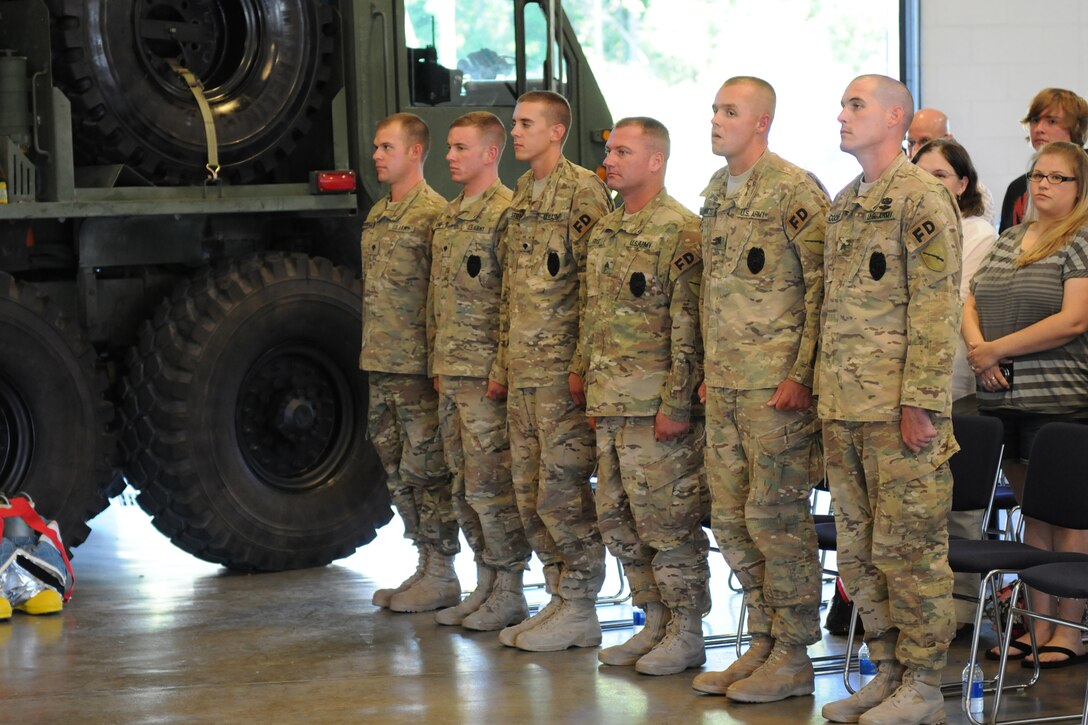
{"x": 1054, "y": 493}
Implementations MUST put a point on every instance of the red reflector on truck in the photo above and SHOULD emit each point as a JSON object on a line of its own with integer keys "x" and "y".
{"x": 332, "y": 182}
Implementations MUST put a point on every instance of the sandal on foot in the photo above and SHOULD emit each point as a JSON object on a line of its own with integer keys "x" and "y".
{"x": 1022, "y": 650}
{"x": 1071, "y": 658}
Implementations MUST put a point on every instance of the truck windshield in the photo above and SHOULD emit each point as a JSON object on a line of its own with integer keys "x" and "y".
{"x": 475, "y": 41}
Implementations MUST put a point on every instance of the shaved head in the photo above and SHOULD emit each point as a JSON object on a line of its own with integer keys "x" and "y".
{"x": 763, "y": 96}
{"x": 929, "y": 122}
{"x": 890, "y": 93}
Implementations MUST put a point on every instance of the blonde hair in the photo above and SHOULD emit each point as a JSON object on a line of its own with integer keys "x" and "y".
{"x": 1059, "y": 235}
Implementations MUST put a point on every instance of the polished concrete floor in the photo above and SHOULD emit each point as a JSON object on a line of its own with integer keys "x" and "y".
{"x": 154, "y": 636}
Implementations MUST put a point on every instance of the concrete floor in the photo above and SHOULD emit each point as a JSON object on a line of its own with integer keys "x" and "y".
{"x": 155, "y": 636}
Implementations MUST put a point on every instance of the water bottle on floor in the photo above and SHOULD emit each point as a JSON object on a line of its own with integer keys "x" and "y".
{"x": 866, "y": 667}
{"x": 972, "y": 689}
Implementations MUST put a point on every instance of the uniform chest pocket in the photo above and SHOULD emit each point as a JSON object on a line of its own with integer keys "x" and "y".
{"x": 753, "y": 258}
{"x": 880, "y": 268}
{"x": 477, "y": 267}
{"x": 640, "y": 286}
{"x": 549, "y": 263}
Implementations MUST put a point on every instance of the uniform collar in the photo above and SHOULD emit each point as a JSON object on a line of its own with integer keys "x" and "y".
{"x": 394, "y": 211}
{"x": 869, "y": 200}
{"x": 474, "y": 210}
{"x": 744, "y": 195}
{"x": 561, "y": 171}
{"x": 634, "y": 223}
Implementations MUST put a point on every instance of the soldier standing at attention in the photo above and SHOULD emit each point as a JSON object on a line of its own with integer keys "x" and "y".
{"x": 890, "y": 319}
{"x": 555, "y": 205}
{"x": 763, "y": 245}
{"x": 640, "y": 347}
{"x": 463, "y": 322}
{"x": 403, "y": 414}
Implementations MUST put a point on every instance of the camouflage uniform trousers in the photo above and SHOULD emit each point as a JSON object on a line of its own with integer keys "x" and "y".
{"x": 551, "y": 447}
{"x": 893, "y": 538}
{"x": 761, "y": 464}
{"x": 403, "y": 423}
{"x": 651, "y": 501}
{"x": 478, "y": 454}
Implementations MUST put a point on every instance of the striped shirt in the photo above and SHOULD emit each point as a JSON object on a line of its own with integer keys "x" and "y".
{"x": 1009, "y": 299}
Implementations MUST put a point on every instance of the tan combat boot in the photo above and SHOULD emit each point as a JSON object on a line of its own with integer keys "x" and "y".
{"x": 918, "y": 701}
{"x": 509, "y": 635}
{"x": 574, "y": 625}
{"x": 716, "y": 683}
{"x": 485, "y": 582}
{"x": 437, "y": 588}
{"x": 681, "y": 648}
{"x": 506, "y": 604}
{"x": 628, "y": 653}
{"x": 786, "y": 673}
{"x": 889, "y": 675}
{"x": 382, "y": 596}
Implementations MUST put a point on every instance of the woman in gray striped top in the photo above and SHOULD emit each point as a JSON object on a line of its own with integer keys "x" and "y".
{"x": 1026, "y": 327}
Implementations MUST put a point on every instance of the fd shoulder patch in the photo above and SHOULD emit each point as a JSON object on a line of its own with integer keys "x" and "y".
{"x": 686, "y": 260}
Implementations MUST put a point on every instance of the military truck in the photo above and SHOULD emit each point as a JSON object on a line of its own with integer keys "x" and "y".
{"x": 184, "y": 183}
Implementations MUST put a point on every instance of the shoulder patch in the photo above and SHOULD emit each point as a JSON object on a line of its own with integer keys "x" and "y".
{"x": 923, "y": 232}
{"x": 686, "y": 260}
{"x": 934, "y": 255}
{"x": 798, "y": 219}
{"x": 695, "y": 286}
{"x": 583, "y": 222}
{"x": 814, "y": 244}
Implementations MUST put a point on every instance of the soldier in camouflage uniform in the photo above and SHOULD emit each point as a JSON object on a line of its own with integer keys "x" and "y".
{"x": 403, "y": 415}
{"x": 763, "y": 235}
{"x": 640, "y": 348}
{"x": 890, "y": 319}
{"x": 555, "y": 205}
{"x": 463, "y": 322}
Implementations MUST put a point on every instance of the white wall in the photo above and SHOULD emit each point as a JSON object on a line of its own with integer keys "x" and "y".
{"x": 982, "y": 61}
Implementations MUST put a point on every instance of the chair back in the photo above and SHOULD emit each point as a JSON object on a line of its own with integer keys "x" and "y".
{"x": 975, "y": 467}
{"x": 1056, "y": 487}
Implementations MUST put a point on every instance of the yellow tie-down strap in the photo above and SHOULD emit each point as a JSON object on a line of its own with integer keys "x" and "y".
{"x": 206, "y": 113}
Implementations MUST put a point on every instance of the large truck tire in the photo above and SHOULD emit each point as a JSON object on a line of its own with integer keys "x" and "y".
{"x": 56, "y": 442}
{"x": 264, "y": 64}
{"x": 245, "y": 416}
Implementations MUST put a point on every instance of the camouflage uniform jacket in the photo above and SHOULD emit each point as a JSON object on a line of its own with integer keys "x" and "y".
{"x": 640, "y": 324}
{"x": 396, "y": 251}
{"x": 763, "y": 277}
{"x": 891, "y": 310}
{"x": 545, "y": 242}
{"x": 466, "y": 284}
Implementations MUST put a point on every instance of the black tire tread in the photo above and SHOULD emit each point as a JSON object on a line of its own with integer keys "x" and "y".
{"x": 86, "y": 499}
{"x": 155, "y": 438}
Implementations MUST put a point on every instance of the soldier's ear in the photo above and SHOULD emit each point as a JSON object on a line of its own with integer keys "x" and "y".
{"x": 657, "y": 161}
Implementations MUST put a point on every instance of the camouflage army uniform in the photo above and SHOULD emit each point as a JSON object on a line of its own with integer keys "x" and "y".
{"x": 762, "y": 290}
{"x": 890, "y": 319}
{"x": 640, "y": 345}
{"x": 403, "y": 414}
{"x": 551, "y": 443}
{"x": 463, "y": 321}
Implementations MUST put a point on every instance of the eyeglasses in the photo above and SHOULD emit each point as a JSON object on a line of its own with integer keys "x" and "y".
{"x": 1055, "y": 179}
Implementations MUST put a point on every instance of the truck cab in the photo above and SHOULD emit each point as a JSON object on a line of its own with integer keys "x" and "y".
{"x": 179, "y": 297}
